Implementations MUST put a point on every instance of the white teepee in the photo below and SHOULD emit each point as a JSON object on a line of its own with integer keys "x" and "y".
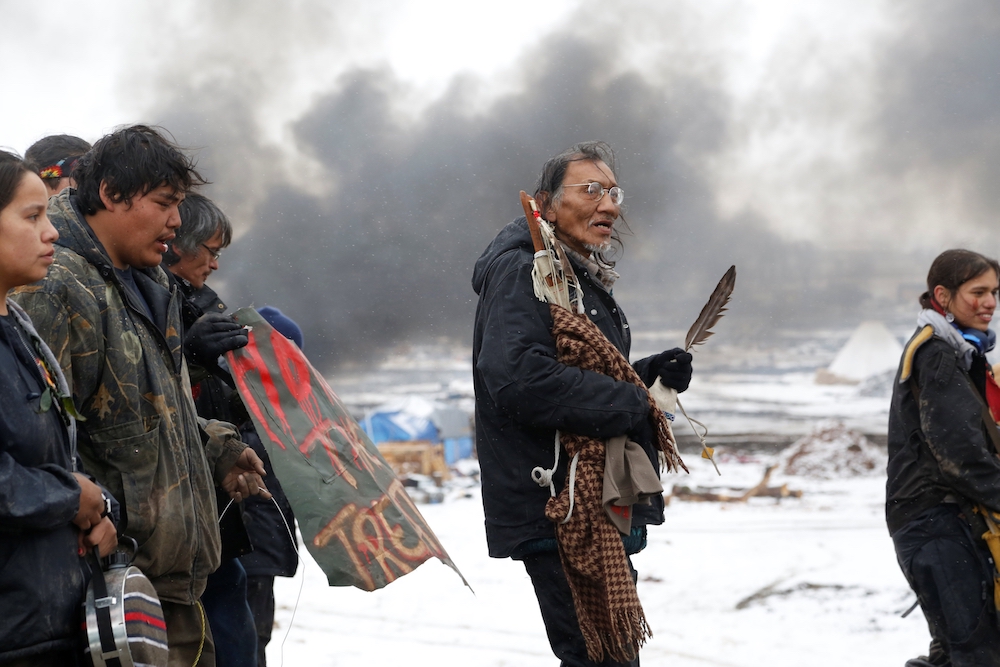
{"x": 871, "y": 349}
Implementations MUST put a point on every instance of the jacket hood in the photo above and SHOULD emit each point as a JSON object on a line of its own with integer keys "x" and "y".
{"x": 514, "y": 236}
{"x": 74, "y": 234}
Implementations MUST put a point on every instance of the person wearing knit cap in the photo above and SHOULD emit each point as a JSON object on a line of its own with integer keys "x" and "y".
{"x": 282, "y": 323}
{"x": 54, "y": 158}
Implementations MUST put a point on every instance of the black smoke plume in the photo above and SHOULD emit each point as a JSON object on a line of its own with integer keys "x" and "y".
{"x": 376, "y": 245}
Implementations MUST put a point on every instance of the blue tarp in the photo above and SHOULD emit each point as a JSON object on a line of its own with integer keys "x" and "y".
{"x": 457, "y": 448}
{"x": 384, "y": 426}
{"x": 416, "y": 419}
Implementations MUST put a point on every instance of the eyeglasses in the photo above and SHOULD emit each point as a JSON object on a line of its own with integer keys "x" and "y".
{"x": 216, "y": 254}
{"x": 596, "y": 191}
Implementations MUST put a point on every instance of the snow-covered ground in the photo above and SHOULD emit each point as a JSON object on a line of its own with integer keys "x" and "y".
{"x": 828, "y": 590}
{"x": 779, "y": 404}
{"x": 801, "y": 581}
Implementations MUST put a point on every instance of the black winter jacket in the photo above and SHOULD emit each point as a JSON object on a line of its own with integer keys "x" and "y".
{"x": 939, "y": 447}
{"x": 214, "y": 398}
{"x": 41, "y": 581}
{"x": 523, "y": 394}
{"x": 274, "y": 552}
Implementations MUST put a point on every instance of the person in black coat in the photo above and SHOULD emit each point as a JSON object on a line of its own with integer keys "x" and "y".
{"x": 192, "y": 257}
{"x": 943, "y": 471}
{"x": 524, "y": 394}
{"x": 50, "y": 512}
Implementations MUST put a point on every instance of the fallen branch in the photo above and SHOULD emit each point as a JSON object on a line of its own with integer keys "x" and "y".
{"x": 761, "y": 489}
{"x": 772, "y": 590}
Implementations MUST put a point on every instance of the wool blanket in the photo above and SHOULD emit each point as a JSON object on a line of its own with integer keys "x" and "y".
{"x": 590, "y": 547}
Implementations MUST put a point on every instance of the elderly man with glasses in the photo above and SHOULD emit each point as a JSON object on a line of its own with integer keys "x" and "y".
{"x": 191, "y": 257}
{"x": 526, "y": 398}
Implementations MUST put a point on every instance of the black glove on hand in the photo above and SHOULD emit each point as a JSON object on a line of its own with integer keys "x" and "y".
{"x": 211, "y": 336}
{"x": 673, "y": 367}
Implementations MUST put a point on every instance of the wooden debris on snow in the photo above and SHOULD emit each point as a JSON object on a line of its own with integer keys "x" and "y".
{"x": 760, "y": 490}
{"x": 416, "y": 456}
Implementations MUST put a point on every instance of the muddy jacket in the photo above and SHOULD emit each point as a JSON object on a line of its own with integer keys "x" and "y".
{"x": 523, "y": 394}
{"x": 938, "y": 446}
{"x": 141, "y": 438}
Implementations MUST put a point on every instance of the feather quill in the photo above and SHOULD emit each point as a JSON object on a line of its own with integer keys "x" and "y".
{"x": 712, "y": 312}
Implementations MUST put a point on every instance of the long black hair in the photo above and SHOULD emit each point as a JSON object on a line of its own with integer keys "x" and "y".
{"x": 12, "y": 171}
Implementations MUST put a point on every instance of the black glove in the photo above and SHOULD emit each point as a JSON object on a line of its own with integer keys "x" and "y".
{"x": 673, "y": 367}
{"x": 211, "y": 336}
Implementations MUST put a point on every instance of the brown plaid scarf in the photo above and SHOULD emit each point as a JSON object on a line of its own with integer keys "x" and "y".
{"x": 590, "y": 547}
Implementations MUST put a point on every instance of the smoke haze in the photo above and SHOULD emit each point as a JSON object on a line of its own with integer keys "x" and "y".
{"x": 830, "y": 179}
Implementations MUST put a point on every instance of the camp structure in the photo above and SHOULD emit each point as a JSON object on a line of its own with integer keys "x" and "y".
{"x": 418, "y": 436}
{"x": 871, "y": 350}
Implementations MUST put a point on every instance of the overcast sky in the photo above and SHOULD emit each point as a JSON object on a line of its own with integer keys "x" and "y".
{"x": 367, "y": 152}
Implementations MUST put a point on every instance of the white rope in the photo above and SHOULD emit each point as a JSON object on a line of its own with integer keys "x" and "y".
{"x": 572, "y": 484}
{"x": 302, "y": 580}
{"x": 542, "y": 476}
{"x": 231, "y": 501}
{"x": 703, "y": 436}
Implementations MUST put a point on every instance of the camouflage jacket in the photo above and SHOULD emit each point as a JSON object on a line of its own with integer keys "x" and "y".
{"x": 142, "y": 438}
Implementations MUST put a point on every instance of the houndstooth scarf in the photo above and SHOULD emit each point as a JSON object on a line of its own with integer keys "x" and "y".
{"x": 607, "y": 605}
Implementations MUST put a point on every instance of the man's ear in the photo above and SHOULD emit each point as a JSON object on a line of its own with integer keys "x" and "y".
{"x": 106, "y": 199}
{"x": 544, "y": 202}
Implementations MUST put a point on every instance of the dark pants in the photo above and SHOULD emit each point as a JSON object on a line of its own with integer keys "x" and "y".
{"x": 556, "y": 604}
{"x": 260, "y": 595}
{"x": 50, "y": 659}
{"x": 225, "y": 600}
{"x": 949, "y": 570}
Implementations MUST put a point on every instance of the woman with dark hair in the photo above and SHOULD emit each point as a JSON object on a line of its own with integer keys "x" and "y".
{"x": 49, "y": 512}
{"x": 944, "y": 474}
